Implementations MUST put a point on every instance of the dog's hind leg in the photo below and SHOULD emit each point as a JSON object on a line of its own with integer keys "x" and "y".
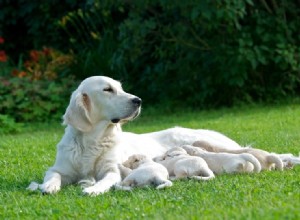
{"x": 273, "y": 158}
{"x": 173, "y": 178}
{"x": 180, "y": 173}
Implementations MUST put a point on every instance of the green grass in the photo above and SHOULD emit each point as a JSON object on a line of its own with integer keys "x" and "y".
{"x": 25, "y": 157}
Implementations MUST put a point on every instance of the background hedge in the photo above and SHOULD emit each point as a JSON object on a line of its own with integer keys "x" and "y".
{"x": 200, "y": 52}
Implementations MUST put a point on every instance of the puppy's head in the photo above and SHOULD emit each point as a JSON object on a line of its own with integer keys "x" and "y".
{"x": 176, "y": 149}
{"x": 173, "y": 152}
{"x": 191, "y": 150}
{"x": 100, "y": 98}
{"x": 135, "y": 161}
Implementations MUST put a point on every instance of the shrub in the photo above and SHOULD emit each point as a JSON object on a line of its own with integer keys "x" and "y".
{"x": 211, "y": 52}
{"x": 207, "y": 53}
{"x": 4, "y": 67}
{"x": 203, "y": 52}
{"x": 39, "y": 89}
{"x": 28, "y": 100}
{"x": 8, "y": 125}
{"x": 33, "y": 24}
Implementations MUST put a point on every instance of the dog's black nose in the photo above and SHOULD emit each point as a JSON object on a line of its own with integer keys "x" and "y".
{"x": 137, "y": 101}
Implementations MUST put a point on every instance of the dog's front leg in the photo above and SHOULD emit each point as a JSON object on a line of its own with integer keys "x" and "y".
{"x": 52, "y": 182}
{"x": 103, "y": 185}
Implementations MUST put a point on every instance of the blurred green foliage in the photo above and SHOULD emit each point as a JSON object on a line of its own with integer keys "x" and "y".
{"x": 9, "y": 125}
{"x": 28, "y": 100}
{"x": 193, "y": 52}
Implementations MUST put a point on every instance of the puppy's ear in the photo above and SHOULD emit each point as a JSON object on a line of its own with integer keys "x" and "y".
{"x": 174, "y": 154}
{"x": 78, "y": 112}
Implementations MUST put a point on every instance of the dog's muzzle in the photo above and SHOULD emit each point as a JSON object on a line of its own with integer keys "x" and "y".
{"x": 137, "y": 102}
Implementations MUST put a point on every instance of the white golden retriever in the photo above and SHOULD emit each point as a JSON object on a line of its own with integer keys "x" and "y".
{"x": 181, "y": 165}
{"x": 94, "y": 144}
{"x": 145, "y": 172}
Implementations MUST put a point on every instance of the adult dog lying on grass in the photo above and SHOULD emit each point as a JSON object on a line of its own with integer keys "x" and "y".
{"x": 94, "y": 144}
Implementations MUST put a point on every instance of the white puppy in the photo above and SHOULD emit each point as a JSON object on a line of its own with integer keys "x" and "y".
{"x": 225, "y": 162}
{"x": 181, "y": 165}
{"x": 267, "y": 160}
{"x": 145, "y": 172}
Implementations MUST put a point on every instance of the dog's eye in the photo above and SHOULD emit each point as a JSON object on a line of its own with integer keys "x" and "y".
{"x": 108, "y": 89}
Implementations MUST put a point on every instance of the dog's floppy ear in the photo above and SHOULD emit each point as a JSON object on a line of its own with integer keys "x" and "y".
{"x": 78, "y": 112}
{"x": 174, "y": 154}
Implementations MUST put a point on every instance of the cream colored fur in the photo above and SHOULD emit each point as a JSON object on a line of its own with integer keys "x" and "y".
{"x": 267, "y": 160}
{"x": 94, "y": 144}
{"x": 145, "y": 172}
{"x": 225, "y": 162}
{"x": 181, "y": 165}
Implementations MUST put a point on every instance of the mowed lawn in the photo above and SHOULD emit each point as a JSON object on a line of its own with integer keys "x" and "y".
{"x": 24, "y": 157}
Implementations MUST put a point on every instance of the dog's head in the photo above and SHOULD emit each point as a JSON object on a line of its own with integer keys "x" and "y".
{"x": 173, "y": 152}
{"x": 100, "y": 98}
{"x": 135, "y": 161}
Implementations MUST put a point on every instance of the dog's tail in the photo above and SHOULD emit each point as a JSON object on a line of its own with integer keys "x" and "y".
{"x": 273, "y": 158}
{"x": 250, "y": 158}
{"x": 164, "y": 184}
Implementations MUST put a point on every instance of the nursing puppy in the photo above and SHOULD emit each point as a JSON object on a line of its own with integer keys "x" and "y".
{"x": 225, "y": 162}
{"x": 267, "y": 160}
{"x": 145, "y": 172}
{"x": 181, "y": 165}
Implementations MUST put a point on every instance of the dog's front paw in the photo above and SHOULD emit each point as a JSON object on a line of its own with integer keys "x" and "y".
{"x": 50, "y": 187}
{"x": 94, "y": 190}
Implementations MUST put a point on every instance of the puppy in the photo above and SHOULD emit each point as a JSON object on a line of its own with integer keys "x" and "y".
{"x": 181, "y": 165}
{"x": 225, "y": 162}
{"x": 267, "y": 160}
{"x": 124, "y": 171}
{"x": 145, "y": 172}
